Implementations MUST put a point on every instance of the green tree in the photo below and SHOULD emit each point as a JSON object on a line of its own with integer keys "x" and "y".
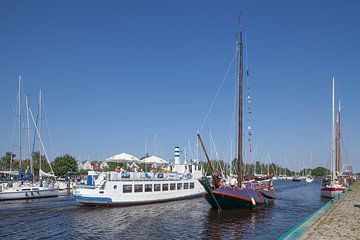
{"x": 64, "y": 164}
{"x": 5, "y": 160}
{"x": 320, "y": 171}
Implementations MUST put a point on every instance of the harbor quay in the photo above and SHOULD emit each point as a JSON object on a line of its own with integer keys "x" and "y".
{"x": 338, "y": 219}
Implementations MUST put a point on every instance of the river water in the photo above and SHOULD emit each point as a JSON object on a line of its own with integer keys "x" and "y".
{"x": 63, "y": 218}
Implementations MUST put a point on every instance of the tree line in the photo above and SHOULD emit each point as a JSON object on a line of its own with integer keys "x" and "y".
{"x": 67, "y": 163}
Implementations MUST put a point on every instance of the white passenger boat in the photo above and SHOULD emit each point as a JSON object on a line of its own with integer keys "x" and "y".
{"x": 133, "y": 188}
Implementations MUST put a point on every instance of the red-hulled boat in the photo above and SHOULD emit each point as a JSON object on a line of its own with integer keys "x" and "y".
{"x": 333, "y": 185}
{"x": 248, "y": 193}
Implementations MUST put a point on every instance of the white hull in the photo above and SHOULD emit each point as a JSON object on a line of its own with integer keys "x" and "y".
{"x": 309, "y": 180}
{"x": 113, "y": 193}
{"x": 331, "y": 193}
{"x": 332, "y": 189}
{"x": 29, "y": 194}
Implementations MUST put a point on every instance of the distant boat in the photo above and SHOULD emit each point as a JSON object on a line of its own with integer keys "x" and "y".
{"x": 309, "y": 179}
{"x": 332, "y": 185}
{"x": 296, "y": 179}
{"x": 179, "y": 181}
{"x": 243, "y": 193}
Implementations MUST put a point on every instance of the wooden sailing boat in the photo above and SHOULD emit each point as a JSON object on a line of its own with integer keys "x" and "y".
{"x": 248, "y": 193}
{"x": 332, "y": 185}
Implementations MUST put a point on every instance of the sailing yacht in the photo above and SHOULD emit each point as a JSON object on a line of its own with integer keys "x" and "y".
{"x": 242, "y": 192}
{"x": 309, "y": 179}
{"x": 332, "y": 185}
{"x": 24, "y": 187}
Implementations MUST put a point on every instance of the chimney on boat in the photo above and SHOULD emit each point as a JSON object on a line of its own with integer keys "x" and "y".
{"x": 177, "y": 155}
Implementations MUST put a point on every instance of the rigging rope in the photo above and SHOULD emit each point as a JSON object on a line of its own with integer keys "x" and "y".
{"x": 218, "y": 92}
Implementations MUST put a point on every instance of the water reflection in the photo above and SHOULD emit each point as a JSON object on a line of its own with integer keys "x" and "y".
{"x": 235, "y": 224}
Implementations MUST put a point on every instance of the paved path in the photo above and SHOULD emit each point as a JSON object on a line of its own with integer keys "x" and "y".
{"x": 342, "y": 221}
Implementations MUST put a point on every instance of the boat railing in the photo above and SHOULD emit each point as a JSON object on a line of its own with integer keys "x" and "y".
{"x": 146, "y": 176}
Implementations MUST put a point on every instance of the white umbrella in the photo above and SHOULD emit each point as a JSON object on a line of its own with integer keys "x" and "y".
{"x": 133, "y": 165}
{"x": 154, "y": 159}
{"x": 123, "y": 157}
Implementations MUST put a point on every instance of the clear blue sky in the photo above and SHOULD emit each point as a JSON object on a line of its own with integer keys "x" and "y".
{"x": 114, "y": 73}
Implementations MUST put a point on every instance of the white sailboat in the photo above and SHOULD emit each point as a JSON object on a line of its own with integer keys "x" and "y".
{"x": 27, "y": 188}
{"x": 309, "y": 178}
{"x": 331, "y": 185}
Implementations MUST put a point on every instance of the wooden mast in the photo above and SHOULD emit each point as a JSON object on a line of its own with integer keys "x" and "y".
{"x": 337, "y": 141}
{"x": 240, "y": 113}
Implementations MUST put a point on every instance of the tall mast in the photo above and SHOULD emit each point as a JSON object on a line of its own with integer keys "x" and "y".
{"x": 19, "y": 115}
{"x": 28, "y": 133}
{"x": 333, "y": 130}
{"x": 39, "y": 123}
{"x": 337, "y": 140}
{"x": 240, "y": 113}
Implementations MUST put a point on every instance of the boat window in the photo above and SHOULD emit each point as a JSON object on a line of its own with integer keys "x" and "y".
{"x": 35, "y": 189}
{"x": 115, "y": 186}
{"x": 138, "y": 188}
{"x": 127, "y": 188}
{"x": 172, "y": 186}
{"x": 165, "y": 187}
{"x": 148, "y": 187}
{"x": 186, "y": 185}
{"x": 25, "y": 189}
{"x": 157, "y": 187}
{"x": 191, "y": 185}
{"x": 101, "y": 192}
{"x": 179, "y": 186}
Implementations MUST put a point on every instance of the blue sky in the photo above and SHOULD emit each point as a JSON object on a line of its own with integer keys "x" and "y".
{"x": 116, "y": 73}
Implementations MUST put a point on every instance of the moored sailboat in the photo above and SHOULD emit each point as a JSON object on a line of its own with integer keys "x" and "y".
{"x": 332, "y": 185}
{"x": 22, "y": 184}
{"x": 241, "y": 192}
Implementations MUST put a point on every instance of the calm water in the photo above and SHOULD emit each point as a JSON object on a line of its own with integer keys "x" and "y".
{"x": 62, "y": 218}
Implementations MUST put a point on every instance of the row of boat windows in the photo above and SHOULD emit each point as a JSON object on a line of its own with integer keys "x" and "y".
{"x": 128, "y": 188}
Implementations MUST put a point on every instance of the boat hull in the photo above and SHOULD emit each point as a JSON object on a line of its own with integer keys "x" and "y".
{"x": 113, "y": 193}
{"x": 227, "y": 197}
{"x": 29, "y": 194}
{"x": 107, "y": 201}
{"x": 331, "y": 192}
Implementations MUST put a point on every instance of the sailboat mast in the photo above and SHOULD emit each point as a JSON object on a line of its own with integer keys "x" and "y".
{"x": 337, "y": 140}
{"x": 39, "y": 123}
{"x": 240, "y": 113}
{"x": 333, "y": 130}
{"x": 19, "y": 115}
{"x": 28, "y": 134}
